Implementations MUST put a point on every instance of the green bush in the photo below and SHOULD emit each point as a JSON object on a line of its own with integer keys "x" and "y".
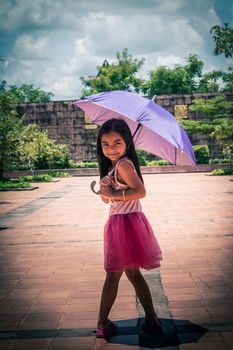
{"x": 58, "y": 160}
{"x": 37, "y": 178}
{"x": 222, "y": 172}
{"x": 58, "y": 174}
{"x": 78, "y": 165}
{"x": 17, "y": 166}
{"x": 14, "y": 184}
{"x": 159, "y": 162}
{"x": 202, "y": 154}
{"x": 141, "y": 157}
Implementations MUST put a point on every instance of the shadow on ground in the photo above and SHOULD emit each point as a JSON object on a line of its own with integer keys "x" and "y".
{"x": 175, "y": 332}
{"x": 128, "y": 333}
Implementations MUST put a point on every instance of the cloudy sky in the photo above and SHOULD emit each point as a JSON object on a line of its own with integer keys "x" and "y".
{"x": 51, "y": 43}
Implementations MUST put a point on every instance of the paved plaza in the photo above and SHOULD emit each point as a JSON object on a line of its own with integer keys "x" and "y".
{"x": 51, "y": 266}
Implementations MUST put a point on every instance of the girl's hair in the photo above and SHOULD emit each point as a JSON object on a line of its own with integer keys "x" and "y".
{"x": 122, "y": 128}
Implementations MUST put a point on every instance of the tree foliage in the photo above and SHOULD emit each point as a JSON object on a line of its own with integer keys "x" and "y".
{"x": 35, "y": 148}
{"x": 228, "y": 79}
{"x": 183, "y": 79}
{"x": 9, "y": 125}
{"x": 26, "y": 93}
{"x": 24, "y": 144}
{"x": 215, "y": 122}
{"x": 223, "y": 38}
{"x": 116, "y": 76}
{"x": 223, "y": 135}
{"x": 209, "y": 82}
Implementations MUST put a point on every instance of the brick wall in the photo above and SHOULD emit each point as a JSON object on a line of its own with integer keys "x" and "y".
{"x": 66, "y": 123}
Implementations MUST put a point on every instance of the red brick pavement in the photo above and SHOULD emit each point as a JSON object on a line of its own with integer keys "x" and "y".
{"x": 51, "y": 260}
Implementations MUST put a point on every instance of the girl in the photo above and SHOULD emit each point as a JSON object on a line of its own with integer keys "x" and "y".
{"x": 129, "y": 242}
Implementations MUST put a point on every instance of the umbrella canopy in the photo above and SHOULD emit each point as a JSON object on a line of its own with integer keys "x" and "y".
{"x": 160, "y": 133}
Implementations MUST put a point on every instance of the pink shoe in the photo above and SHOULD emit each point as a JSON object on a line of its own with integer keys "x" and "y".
{"x": 106, "y": 332}
{"x": 152, "y": 329}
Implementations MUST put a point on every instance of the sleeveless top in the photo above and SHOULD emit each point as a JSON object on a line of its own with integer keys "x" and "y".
{"x": 121, "y": 207}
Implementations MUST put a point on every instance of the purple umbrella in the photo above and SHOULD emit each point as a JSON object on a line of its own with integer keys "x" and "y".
{"x": 159, "y": 132}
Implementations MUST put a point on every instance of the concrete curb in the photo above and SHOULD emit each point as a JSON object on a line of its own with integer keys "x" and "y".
{"x": 144, "y": 169}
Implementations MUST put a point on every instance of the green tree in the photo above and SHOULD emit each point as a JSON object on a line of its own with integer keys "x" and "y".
{"x": 181, "y": 79}
{"x": 215, "y": 116}
{"x": 26, "y": 93}
{"x": 27, "y": 144}
{"x": 209, "y": 82}
{"x": 223, "y": 38}
{"x": 166, "y": 81}
{"x": 10, "y": 123}
{"x": 193, "y": 70}
{"x": 228, "y": 79}
{"x": 116, "y": 76}
{"x": 35, "y": 148}
{"x": 223, "y": 134}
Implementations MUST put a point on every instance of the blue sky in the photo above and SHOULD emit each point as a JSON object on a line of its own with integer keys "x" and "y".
{"x": 52, "y": 43}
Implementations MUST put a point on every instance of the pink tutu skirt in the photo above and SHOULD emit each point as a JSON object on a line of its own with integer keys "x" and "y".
{"x": 129, "y": 243}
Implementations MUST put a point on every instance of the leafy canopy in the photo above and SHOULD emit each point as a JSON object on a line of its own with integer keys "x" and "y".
{"x": 26, "y": 93}
{"x": 183, "y": 79}
{"x": 120, "y": 75}
{"x": 223, "y": 38}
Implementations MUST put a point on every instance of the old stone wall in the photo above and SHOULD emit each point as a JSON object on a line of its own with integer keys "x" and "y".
{"x": 67, "y": 124}
{"x": 169, "y": 102}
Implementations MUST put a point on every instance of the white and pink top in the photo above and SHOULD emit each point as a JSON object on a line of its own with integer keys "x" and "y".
{"x": 121, "y": 207}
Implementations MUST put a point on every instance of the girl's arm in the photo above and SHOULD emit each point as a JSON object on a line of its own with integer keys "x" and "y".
{"x": 127, "y": 175}
{"x": 105, "y": 181}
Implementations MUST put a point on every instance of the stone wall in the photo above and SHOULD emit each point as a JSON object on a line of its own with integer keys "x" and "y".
{"x": 67, "y": 124}
{"x": 170, "y": 101}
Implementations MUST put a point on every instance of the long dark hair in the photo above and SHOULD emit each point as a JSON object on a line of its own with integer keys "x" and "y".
{"x": 122, "y": 128}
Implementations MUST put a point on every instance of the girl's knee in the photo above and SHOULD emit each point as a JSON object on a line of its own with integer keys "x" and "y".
{"x": 114, "y": 275}
{"x": 133, "y": 274}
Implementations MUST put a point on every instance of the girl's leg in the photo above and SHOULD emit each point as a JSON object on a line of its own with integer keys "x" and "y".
{"x": 108, "y": 296}
{"x": 144, "y": 295}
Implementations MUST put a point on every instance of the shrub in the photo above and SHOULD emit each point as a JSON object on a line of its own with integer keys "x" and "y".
{"x": 4, "y": 184}
{"x": 202, "y": 154}
{"x": 57, "y": 157}
{"x": 58, "y": 174}
{"x": 159, "y": 162}
{"x": 37, "y": 178}
{"x": 78, "y": 165}
{"x": 141, "y": 157}
{"x": 222, "y": 172}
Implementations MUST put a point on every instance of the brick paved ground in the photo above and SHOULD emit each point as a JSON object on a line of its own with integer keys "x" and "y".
{"x": 51, "y": 266}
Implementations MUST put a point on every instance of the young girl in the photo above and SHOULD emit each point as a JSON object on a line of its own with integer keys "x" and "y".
{"x": 129, "y": 242}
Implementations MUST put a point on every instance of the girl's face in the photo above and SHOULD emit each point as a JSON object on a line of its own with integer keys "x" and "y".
{"x": 113, "y": 146}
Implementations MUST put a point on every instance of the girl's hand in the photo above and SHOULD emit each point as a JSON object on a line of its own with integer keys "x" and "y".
{"x": 106, "y": 180}
{"x": 106, "y": 191}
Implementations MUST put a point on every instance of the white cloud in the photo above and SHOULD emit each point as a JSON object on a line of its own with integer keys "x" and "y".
{"x": 169, "y": 60}
{"x": 64, "y": 87}
{"x": 56, "y": 42}
{"x": 184, "y": 35}
{"x": 28, "y": 47}
{"x": 27, "y": 13}
{"x": 81, "y": 61}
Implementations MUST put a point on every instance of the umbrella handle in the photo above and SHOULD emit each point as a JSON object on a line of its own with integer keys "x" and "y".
{"x": 92, "y": 186}
{"x": 132, "y": 139}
